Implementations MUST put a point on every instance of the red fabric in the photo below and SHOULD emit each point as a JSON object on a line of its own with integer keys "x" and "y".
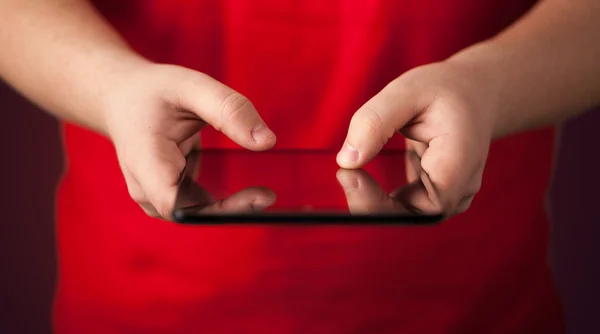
{"x": 307, "y": 66}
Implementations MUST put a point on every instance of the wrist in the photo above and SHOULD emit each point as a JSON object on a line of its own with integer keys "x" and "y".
{"x": 480, "y": 83}
{"x": 483, "y": 81}
{"x": 119, "y": 82}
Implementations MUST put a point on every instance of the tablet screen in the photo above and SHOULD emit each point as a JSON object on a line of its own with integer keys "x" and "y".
{"x": 292, "y": 186}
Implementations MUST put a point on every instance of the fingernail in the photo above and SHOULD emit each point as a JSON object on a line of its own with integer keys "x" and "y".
{"x": 261, "y": 133}
{"x": 348, "y": 183}
{"x": 348, "y": 153}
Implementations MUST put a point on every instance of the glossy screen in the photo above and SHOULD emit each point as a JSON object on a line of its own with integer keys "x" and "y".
{"x": 287, "y": 186}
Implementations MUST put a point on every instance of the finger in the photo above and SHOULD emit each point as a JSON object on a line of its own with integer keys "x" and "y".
{"x": 413, "y": 166}
{"x": 411, "y": 174}
{"x": 374, "y": 124}
{"x": 247, "y": 200}
{"x": 363, "y": 193}
{"x": 192, "y": 143}
{"x": 193, "y": 164}
{"x": 191, "y": 195}
{"x": 225, "y": 109}
{"x": 417, "y": 147}
{"x": 468, "y": 198}
{"x": 416, "y": 198}
{"x": 449, "y": 165}
{"x": 254, "y": 199}
{"x": 137, "y": 193}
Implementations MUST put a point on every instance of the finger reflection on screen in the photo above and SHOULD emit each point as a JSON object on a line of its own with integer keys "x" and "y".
{"x": 255, "y": 199}
{"x": 419, "y": 196}
{"x": 193, "y": 199}
{"x": 365, "y": 195}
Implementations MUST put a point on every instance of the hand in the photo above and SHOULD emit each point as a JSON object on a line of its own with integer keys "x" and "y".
{"x": 153, "y": 117}
{"x": 447, "y": 113}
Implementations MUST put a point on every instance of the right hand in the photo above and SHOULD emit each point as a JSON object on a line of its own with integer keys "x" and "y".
{"x": 153, "y": 117}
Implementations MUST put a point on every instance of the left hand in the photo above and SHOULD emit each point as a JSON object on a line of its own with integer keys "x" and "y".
{"x": 447, "y": 113}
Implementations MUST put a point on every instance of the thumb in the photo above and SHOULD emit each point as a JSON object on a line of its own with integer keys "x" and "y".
{"x": 225, "y": 109}
{"x": 374, "y": 124}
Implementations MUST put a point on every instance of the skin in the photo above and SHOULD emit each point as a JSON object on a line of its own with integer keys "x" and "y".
{"x": 543, "y": 69}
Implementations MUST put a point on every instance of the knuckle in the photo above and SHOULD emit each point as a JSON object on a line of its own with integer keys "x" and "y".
{"x": 480, "y": 164}
{"x": 233, "y": 109}
{"x": 464, "y": 204}
{"x": 440, "y": 179}
{"x": 463, "y": 208}
{"x": 162, "y": 206}
{"x": 137, "y": 195}
{"x": 475, "y": 188}
{"x": 164, "y": 209}
{"x": 440, "y": 175}
{"x": 449, "y": 206}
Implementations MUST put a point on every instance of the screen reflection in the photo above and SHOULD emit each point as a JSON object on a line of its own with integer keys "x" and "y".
{"x": 272, "y": 192}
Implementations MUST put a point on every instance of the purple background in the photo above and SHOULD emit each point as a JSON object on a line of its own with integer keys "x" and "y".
{"x": 32, "y": 162}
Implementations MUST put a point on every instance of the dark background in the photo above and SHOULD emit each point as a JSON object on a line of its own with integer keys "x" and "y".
{"x": 32, "y": 162}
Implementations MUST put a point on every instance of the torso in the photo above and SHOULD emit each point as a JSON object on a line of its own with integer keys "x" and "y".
{"x": 307, "y": 66}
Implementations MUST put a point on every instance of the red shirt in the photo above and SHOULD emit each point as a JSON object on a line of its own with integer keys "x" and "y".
{"x": 307, "y": 66}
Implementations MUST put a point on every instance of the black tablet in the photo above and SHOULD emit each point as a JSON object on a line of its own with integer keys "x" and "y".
{"x": 292, "y": 186}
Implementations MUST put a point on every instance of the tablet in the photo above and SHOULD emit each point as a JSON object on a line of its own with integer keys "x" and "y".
{"x": 278, "y": 186}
